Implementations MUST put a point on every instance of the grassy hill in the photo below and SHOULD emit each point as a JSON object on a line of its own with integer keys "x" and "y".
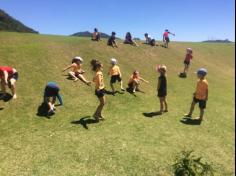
{"x": 127, "y": 143}
{"x": 8, "y": 23}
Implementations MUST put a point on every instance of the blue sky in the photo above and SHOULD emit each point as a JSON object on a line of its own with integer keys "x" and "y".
{"x": 190, "y": 20}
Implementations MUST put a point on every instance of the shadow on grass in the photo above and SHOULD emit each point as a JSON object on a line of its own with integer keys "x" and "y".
{"x": 84, "y": 121}
{"x": 151, "y": 114}
{"x": 6, "y": 98}
{"x": 1, "y": 108}
{"x": 43, "y": 111}
{"x": 188, "y": 121}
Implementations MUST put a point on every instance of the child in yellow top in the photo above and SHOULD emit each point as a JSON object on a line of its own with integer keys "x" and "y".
{"x": 77, "y": 71}
{"x": 201, "y": 94}
{"x": 115, "y": 74}
{"x": 134, "y": 81}
{"x": 97, "y": 67}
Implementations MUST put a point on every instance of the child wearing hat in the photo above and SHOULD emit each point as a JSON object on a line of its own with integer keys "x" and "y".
{"x": 162, "y": 88}
{"x": 51, "y": 92}
{"x": 200, "y": 96}
{"x": 77, "y": 72}
{"x": 134, "y": 81}
{"x": 8, "y": 76}
{"x": 115, "y": 74}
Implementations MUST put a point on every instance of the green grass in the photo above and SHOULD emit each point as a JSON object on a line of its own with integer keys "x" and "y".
{"x": 127, "y": 143}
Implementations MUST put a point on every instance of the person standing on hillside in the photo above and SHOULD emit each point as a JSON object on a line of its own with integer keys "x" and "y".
{"x": 115, "y": 74}
{"x": 162, "y": 88}
{"x": 166, "y": 38}
{"x": 112, "y": 40}
{"x": 96, "y": 35}
{"x": 8, "y": 76}
{"x": 201, "y": 94}
{"x": 187, "y": 61}
{"x": 97, "y": 67}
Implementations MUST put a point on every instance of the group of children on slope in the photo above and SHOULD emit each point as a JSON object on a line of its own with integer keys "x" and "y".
{"x": 9, "y": 76}
{"x": 96, "y": 36}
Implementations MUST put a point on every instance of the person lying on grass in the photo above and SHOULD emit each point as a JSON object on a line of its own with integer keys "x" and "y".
{"x": 97, "y": 67}
{"x": 8, "y": 76}
{"x": 51, "y": 92}
{"x": 200, "y": 96}
{"x": 77, "y": 72}
{"x": 115, "y": 74}
{"x": 134, "y": 81}
{"x": 149, "y": 40}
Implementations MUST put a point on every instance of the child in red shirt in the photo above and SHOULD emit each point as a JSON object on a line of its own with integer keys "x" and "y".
{"x": 187, "y": 60}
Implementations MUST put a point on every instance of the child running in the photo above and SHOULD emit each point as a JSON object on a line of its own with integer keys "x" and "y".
{"x": 187, "y": 60}
{"x": 166, "y": 38}
{"x": 97, "y": 67}
{"x": 51, "y": 92}
{"x": 115, "y": 74}
{"x": 77, "y": 72}
{"x": 112, "y": 40}
{"x": 162, "y": 88}
{"x": 201, "y": 94}
{"x": 96, "y": 35}
{"x": 134, "y": 81}
{"x": 8, "y": 76}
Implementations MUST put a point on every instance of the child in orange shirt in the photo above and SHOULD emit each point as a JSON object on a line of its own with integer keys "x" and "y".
{"x": 97, "y": 67}
{"x": 77, "y": 71}
{"x": 201, "y": 94}
{"x": 115, "y": 74}
{"x": 134, "y": 81}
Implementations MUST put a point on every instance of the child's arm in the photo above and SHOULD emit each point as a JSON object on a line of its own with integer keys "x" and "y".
{"x": 172, "y": 33}
{"x": 5, "y": 76}
{"x": 143, "y": 80}
{"x": 114, "y": 44}
{"x": 67, "y": 68}
{"x": 60, "y": 99}
{"x": 206, "y": 94}
{"x": 158, "y": 84}
{"x": 99, "y": 80}
{"x": 119, "y": 72}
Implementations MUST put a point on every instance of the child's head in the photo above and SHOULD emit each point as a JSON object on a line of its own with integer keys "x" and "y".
{"x": 166, "y": 30}
{"x": 77, "y": 60}
{"x": 161, "y": 69}
{"x": 146, "y": 35}
{"x": 201, "y": 73}
{"x": 96, "y": 65}
{"x": 136, "y": 73}
{"x": 189, "y": 51}
{"x": 128, "y": 34}
{"x": 95, "y": 30}
{"x": 113, "y": 33}
{"x": 113, "y": 61}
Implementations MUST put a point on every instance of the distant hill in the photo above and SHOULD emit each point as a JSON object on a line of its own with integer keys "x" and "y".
{"x": 89, "y": 34}
{"x": 218, "y": 41}
{"x": 8, "y": 23}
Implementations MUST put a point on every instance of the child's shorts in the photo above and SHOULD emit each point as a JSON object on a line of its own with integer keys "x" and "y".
{"x": 167, "y": 39}
{"x": 100, "y": 93}
{"x": 162, "y": 93}
{"x": 187, "y": 63}
{"x": 201, "y": 103}
{"x": 15, "y": 76}
{"x": 115, "y": 78}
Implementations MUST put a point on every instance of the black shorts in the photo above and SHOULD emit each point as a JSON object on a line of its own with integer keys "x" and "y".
{"x": 202, "y": 103}
{"x": 167, "y": 39}
{"x": 100, "y": 93}
{"x": 187, "y": 63}
{"x": 161, "y": 93}
{"x": 15, "y": 76}
{"x": 115, "y": 78}
{"x": 152, "y": 42}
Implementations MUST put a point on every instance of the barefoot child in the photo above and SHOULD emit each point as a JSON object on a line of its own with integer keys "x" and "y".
{"x": 129, "y": 39}
{"x": 97, "y": 67}
{"x": 51, "y": 92}
{"x": 112, "y": 40}
{"x": 134, "y": 81}
{"x": 96, "y": 35}
{"x": 77, "y": 72}
{"x": 201, "y": 94}
{"x": 8, "y": 76}
{"x": 187, "y": 60}
{"x": 162, "y": 88}
{"x": 166, "y": 38}
{"x": 115, "y": 74}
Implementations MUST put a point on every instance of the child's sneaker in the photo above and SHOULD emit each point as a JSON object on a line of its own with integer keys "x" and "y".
{"x": 51, "y": 112}
{"x": 188, "y": 115}
{"x": 76, "y": 79}
{"x": 134, "y": 91}
{"x": 165, "y": 110}
{"x": 14, "y": 96}
{"x": 122, "y": 89}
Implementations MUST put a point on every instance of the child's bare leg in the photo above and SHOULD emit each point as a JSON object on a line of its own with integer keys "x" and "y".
{"x": 83, "y": 79}
{"x": 98, "y": 112}
{"x": 112, "y": 87}
{"x": 161, "y": 104}
{"x": 191, "y": 109}
{"x": 134, "y": 86}
{"x": 72, "y": 74}
{"x": 201, "y": 114}
{"x": 166, "y": 106}
{"x": 121, "y": 85}
{"x": 13, "y": 88}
